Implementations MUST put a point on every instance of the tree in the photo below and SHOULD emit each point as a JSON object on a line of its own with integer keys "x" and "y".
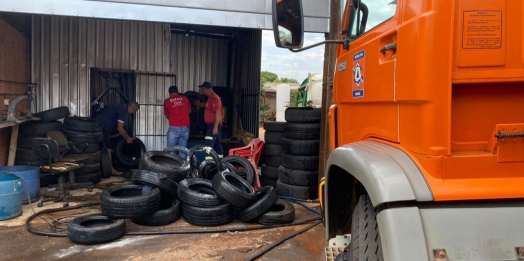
{"x": 287, "y": 80}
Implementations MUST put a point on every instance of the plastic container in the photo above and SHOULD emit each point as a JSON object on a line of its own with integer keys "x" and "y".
{"x": 31, "y": 176}
{"x": 10, "y": 196}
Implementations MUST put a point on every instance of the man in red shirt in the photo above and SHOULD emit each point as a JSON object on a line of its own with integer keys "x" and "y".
{"x": 176, "y": 110}
{"x": 213, "y": 119}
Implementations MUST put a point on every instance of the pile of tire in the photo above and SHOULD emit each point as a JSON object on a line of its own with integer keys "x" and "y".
{"x": 298, "y": 174}
{"x": 86, "y": 135}
{"x": 272, "y": 152}
{"x": 38, "y": 129}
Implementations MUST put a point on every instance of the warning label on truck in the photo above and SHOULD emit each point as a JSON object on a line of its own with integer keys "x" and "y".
{"x": 482, "y": 30}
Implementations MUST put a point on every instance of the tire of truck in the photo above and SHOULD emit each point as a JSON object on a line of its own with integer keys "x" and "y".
{"x": 161, "y": 181}
{"x": 199, "y": 193}
{"x": 297, "y": 177}
{"x": 272, "y": 150}
{"x": 266, "y": 197}
{"x": 129, "y": 155}
{"x": 88, "y": 169}
{"x": 208, "y": 216}
{"x": 273, "y": 161}
{"x": 301, "y": 192}
{"x": 105, "y": 164}
{"x": 281, "y": 212}
{"x": 26, "y": 155}
{"x": 26, "y": 142}
{"x": 53, "y": 114}
{"x": 243, "y": 168}
{"x": 365, "y": 236}
{"x": 95, "y": 228}
{"x": 84, "y": 137}
{"x": 82, "y": 124}
{"x": 309, "y": 163}
{"x": 95, "y": 178}
{"x": 300, "y": 147}
{"x": 167, "y": 214}
{"x": 265, "y": 181}
{"x": 302, "y": 115}
{"x": 302, "y": 131}
{"x": 92, "y": 158}
{"x": 166, "y": 163}
{"x": 274, "y": 126}
{"x": 273, "y": 137}
{"x": 269, "y": 172}
{"x": 208, "y": 169}
{"x": 39, "y": 128}
{"x": 89, "y": 149}
{"x": 127, "y": 201}
{"x": 234, "y": 190}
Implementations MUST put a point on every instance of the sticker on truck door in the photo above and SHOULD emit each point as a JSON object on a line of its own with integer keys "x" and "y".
{"x": 358, "y": 74}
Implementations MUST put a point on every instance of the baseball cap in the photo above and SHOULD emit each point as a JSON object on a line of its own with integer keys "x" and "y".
{"x": 205, "y": 85}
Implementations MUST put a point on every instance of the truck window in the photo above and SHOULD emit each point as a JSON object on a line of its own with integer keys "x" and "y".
{"x": 379, "y": 12}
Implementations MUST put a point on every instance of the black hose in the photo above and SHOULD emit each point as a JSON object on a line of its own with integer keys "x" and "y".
{"x": 268, "y": 248}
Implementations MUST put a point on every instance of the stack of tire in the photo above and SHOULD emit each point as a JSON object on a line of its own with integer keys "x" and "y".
{"x": 272, "y": 152}
{"x": 38, "y": 129}
{"x": 298, "y": 175}
{"x": 86, "y": 135}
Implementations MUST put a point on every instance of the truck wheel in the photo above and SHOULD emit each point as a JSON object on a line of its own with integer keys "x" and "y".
{"x": 365, "y": 234}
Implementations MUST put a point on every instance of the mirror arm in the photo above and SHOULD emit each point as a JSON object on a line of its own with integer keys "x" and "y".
{"x": 344, "y": 42}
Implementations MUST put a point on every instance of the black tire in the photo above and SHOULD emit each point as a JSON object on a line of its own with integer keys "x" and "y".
{"x": 26, "y": 142}
{"x": 240, "y": 162}
{"x": 199, "y": 193}
{"x": 302, "y": 114}
{"x": 209, "y": 216}
{"x": 93, "y": 158}
{"x": 269, "y": 172}
{"x": 167, "y": 214}
{"x": 27, "y": 162}
{"x": 88, "y": 169}
{"x": 302, "y": 131}
{"x": 95, "y": 228}
{"x": 129, "y": 155}
{"x": 105, "y": 164}
{"x": 53, "y": 114}
{"x": 84, "y": 137}
{"x": 280, "y": 213}
{"x": 264, "y": 181}
{"x": 208, "y": 169}
{"x": 309, "y": 163}
{"x": 166, "y": 185}
{"x": 82, "y": 124}
{"x": 39, "y": 128}
{"x": 95, "y": 178}
{"x": 47, "y": 179}
{"x": 89, "y": 149}
{"x": 166, "y": 163}
{"x": 300, "y": 147}
{"x": 274, "y": 126}
{"x": 273, "y": 137}
{"x": 266, "y": 197}
{"x": 298, "y": 177}
{"x": 273, "y": 161}
{"x": 272, "y": 150}
{"x": 234, "y": 190}
{"x": 127, "y": 201}
{"x": 26, "y": 155}
{"x": 365, "y": 235}
{"x": 301, "y": 192}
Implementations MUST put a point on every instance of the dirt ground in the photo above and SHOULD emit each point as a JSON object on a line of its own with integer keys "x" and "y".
{"x": 17, "y": 243}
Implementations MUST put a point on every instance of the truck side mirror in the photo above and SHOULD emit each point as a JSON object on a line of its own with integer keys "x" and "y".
{"x": 288, "y": 23}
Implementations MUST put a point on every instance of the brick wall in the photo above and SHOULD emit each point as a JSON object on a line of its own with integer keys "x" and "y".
{"x": 15, "y": 73}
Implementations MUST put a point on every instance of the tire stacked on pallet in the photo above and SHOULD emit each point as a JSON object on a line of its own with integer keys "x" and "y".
{"x": 272, "y": 152}
{"x": 298, "y": 175}
{"x": 38, "y": 129}
{"x": 86, "y": 134}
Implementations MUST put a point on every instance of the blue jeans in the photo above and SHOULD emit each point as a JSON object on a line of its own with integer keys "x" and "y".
{"x": 178, "y": 136}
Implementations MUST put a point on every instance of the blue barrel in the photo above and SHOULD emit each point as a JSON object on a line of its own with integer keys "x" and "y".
{"x": 10, "y": 196}
{"x": 31, "y": 176}
{"x": 200, "y": 155}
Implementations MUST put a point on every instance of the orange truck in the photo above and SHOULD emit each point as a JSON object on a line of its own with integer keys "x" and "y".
{"x": 426, "y": 129}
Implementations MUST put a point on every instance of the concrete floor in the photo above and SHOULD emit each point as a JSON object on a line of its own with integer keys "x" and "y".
{"x": 19, "y": 244}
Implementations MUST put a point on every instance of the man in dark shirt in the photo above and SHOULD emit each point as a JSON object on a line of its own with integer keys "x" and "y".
{"x": 213, "y": 119}
{"x": 176, "y": 110}
{"x": 113, "y": 118}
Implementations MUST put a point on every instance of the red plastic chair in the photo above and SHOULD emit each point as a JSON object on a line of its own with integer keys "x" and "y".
{"x": 252, "y": 153}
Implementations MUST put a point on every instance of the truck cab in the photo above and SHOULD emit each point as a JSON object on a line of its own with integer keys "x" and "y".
{"x": 426, "y": 128}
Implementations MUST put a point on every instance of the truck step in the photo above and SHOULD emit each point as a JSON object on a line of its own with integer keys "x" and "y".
{"x": 336, "y": 246}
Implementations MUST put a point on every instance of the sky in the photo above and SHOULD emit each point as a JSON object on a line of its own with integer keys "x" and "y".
{"x": 297, "y": 65}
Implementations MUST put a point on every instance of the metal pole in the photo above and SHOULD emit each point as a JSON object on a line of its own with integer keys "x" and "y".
{"x": 327, "y": 83}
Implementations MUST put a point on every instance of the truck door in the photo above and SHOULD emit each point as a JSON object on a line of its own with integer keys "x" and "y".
{"x": 365, "y": 75}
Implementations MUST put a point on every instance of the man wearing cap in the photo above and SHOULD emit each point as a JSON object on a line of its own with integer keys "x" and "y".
{"x": 213, "y": 119}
